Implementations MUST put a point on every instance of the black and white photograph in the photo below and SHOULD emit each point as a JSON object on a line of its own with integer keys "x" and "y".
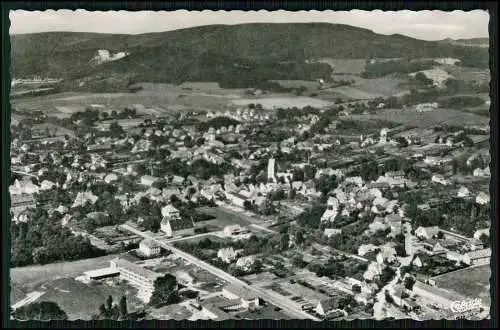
{"x": 250, "y": 165}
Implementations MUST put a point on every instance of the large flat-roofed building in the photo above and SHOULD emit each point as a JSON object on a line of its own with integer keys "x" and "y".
{"x": 99, "y": 274}
{"x": 247, "y": 297}
{"x": 135, "y": 274}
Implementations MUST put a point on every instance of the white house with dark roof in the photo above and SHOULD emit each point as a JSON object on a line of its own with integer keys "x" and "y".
{"x": 177, "y": 226}
{"x": 169, "y": 211}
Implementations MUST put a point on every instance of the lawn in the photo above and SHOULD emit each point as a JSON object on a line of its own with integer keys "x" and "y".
{"x": 470, "y": 282}
{"x": 81, "y": 301}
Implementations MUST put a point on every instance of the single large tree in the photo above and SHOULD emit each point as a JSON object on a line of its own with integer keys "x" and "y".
{"x": 165, "y": 291}
{"x": 123, "y": 307}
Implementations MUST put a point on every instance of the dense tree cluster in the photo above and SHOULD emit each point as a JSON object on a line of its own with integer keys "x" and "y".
{"x": 339, "y": 267}
{"x": 311, "y": 218}
{"x": 461, "y": 102}
{"x": 166, "y": 291}
{"x": 290, "y": 113}
{"x": 40, "y": 311}
{"x": 42, "y": 239}
{"x": 217, "y": 123}
{"x": 465, "y": 216}
{"x": 110, "y": 311}
{"x": 384, "y": 68}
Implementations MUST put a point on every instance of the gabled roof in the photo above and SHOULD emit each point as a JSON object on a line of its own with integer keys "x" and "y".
{"x": 329, "y": 304}
{"x": 178, "y": 224}
{"x": 149, "y": 243}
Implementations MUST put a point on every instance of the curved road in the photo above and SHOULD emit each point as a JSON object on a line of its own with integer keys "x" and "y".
{"x": 292, "y": 308}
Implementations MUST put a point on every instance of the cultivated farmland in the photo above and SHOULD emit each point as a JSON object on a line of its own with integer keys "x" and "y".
{"x": 426, "y": 119}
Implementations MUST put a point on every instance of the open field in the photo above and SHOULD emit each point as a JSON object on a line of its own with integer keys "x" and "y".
{"x": 467, "y": 74}
{"x": 355, "y": 93}
{"x": 471, "y": 282}
{"x": 160, "y": 97}
{"x": 283, "y": 102}
{"x": 343, "y": 66}
{"x": 92, "y": 295}
{"x": 426, "y": 119}
{"x": 363, "y": 88}
{"x": 33, "y": 275}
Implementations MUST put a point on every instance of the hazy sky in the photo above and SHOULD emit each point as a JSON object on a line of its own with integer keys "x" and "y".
{"x": 427, "y": 25}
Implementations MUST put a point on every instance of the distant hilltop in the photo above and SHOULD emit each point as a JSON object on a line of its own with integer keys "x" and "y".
{"x": 217, "y": 52}
{"x": 474, "y": 42}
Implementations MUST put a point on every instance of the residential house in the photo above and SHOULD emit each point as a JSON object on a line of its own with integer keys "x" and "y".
{"x": 366, "y": 248}
{"x": 475, "y": 244}
{"x": 234, "y": 230}
{"x": 481, "y": 232}
{"x": 170, "y": 212}
{"x": 227, "y": 255}
{"x": 331, "y": 210}
{"x": 149, "y": 248}
{"x": 327, "y": 306}
{"x": 246, "y": 263}
{"x": 330, "y": 232}
{"x": 463, "y": 192}
{"x": 454, "y": 256}
{"x": 372, "y": 272}
{"x": 148, "y": 180}
{"x": 110, "y": 178}
{"x": 440, "y": 179}
{"x": 20, "y": 203}
{"x": 84, "y": 197}
{"x": 247, "y": 296}
{"x": 377, "y": 224}
{"x": 427, "y": 232}
{"x": 177, "y": 226}
{"x": 23, "y": 187}
{"x": 236, "y": 199}
{"x": 482, "y": 198}
{"x": 477, "y": 257}
{"x": 478, "y": 172}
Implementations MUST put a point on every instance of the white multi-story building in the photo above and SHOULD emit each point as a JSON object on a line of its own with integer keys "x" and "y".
{"x": 135, "y": 274}
{"x": 149, "y": 248}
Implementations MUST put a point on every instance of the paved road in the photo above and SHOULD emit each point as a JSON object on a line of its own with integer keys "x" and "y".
{"x": 289, "y": 307}
{"x": 30, "y": 298}
{"x": 327, "y": 249}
